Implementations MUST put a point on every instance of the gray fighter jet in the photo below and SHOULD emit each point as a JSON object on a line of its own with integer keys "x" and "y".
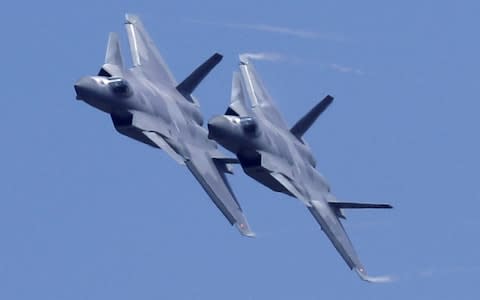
{"x": 278, "y": 157}
{"x": 146, "y": 104}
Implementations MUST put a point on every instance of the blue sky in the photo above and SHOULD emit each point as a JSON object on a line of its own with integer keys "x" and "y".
{"x": 88, "y": 214}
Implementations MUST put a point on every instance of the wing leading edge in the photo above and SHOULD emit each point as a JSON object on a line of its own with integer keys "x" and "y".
{"x": 329, "y": 223}
{"x": 212, "y": 178}
{"x": 208, "y": 169}
{"x": 324, "y": 214}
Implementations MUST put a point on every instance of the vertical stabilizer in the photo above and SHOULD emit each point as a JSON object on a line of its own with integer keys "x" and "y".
{"x": 113, "y": 65}
{"x": 307, "y": 121}
{"x": 113, "y": 55}
{"x": 145, "y": 54}
{"x": 238, "y": 106}
{"x": 257, "y": 94}
{"x": 187, "y": 86}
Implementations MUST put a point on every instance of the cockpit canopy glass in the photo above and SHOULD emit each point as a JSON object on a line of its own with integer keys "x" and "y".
{"x": 249, "y": 125}
{"x": 119, "y": 86}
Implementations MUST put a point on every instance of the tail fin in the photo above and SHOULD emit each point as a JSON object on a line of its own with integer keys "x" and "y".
{"x": 113, "y": 55}
{"x": 113, "y": 65}
{"x": 342, "y": 205}
{"x": 145, "y": 55}
{"x": 257, "y": 95}
{"x": 306, "y": 121}
{"x": 237, "y": 99}
{"x": 339, "y": 206}
{"x": 187, "y": 86}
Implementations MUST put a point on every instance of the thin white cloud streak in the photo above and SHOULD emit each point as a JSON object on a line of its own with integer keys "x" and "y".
{"x": 299, "y": 33}
{"x": 293, "y": 32}
{"x": 277, "y": 29}
{"x": 428, "y": 273}
{"x": 345, "y": 69}
{"x": 265, "y": 56}
{"x": 278, "y": 57}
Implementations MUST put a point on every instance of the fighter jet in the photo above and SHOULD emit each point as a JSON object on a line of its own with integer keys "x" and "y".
{"x": 147, "y": 104}
{"x": 278, "y": 157}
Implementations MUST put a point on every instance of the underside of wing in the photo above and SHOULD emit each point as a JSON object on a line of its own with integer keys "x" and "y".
{"x": 212, "y": 178}
{"x": 332, "y": 226}
{"x": 209, "y": 168}
{"x": 151, "y": 131}
{"x": 290, "y": 187}
{"x": 335, "y": 231}
{"x": 165, "y": 146}
{"x": 144, "y": 52}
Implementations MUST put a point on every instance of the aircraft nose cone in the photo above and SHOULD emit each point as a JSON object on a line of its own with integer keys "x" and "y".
{"x": 217, "y": 127}
{"x": 82, "y": 87}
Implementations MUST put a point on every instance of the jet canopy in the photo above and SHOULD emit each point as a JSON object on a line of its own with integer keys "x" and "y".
{"x": 119, "y": 86}
{"x": 249, "y": 126}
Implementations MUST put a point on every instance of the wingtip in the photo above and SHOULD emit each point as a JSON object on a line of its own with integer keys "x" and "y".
{"x": 250, "y": 234}
{"x": 243, "y": 59}
{"x": 372, "y": 279}
{"x": 131, "y": 18}
{"x": 245, "y": 230}
{"x": 216, "y": 57}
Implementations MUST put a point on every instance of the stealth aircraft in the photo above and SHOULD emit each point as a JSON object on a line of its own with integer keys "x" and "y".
{"x": 147, "y": 104}
{"x": 278, "y": 157}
